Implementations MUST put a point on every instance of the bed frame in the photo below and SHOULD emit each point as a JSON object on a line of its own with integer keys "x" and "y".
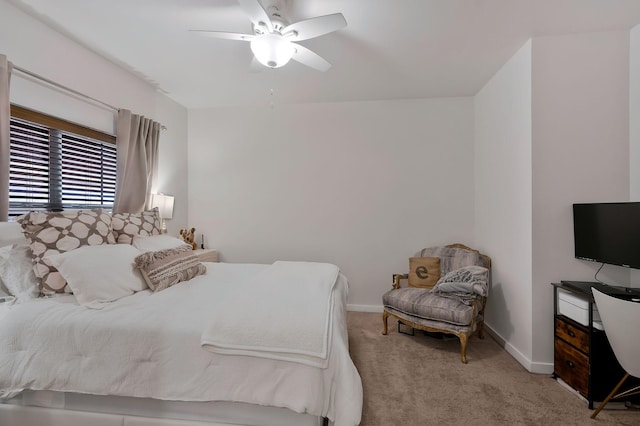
{"x": 68, "y": 409}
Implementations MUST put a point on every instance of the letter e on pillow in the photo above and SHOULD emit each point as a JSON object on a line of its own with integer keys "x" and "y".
{"x": 424, "y": 272}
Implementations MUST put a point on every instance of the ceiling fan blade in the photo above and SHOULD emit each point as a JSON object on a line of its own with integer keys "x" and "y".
{"x": 256, "y": 13}
{"x": 314, "y": 27}
{"x": 310, "y": 58}
{"x": 224, "y": 35}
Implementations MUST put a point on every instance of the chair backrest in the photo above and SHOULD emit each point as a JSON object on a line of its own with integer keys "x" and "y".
{"x": 455, "y": 256}
{"x": 621, "y": 322}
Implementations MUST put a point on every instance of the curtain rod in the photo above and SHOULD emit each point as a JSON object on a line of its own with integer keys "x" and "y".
{"x": 68, "y": 89}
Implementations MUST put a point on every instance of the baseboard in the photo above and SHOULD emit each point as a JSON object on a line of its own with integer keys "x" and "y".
{"x": 365, "y": 308}
{"x": 530, "y": 366}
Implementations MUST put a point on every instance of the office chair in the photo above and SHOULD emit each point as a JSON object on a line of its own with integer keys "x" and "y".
{"x": 621, "y": 322}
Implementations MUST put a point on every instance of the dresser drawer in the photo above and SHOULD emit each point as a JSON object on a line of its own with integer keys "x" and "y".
{"x": 572, "y": 366}
{"x": 570, "y": 333}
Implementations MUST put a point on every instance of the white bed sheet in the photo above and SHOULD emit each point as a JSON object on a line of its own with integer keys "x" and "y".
{"x": 148, "y": 346}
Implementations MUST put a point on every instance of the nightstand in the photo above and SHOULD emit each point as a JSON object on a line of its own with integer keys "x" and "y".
{"x": 206, "y": 255}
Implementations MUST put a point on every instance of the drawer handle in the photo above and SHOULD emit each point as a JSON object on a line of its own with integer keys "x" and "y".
{"x": 571, "y": 333}
{"x": 571, "y": 364}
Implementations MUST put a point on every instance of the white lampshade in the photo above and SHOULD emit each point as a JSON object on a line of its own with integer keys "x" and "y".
{"x": 272, "y": 50}
{"x": 164, "y": 203}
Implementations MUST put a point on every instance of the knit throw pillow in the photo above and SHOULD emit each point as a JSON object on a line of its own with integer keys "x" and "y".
{"x": 127, "y": 225}
{"x": 52, "y": 233}
{"x": 163, "y": 268}
{"x": 424, "y": 272}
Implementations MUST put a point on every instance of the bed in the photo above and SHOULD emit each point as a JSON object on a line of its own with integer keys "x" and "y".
{"x": 153, "y": 358}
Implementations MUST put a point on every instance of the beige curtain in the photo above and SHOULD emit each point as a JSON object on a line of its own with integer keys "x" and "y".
{"x": 5, "y": 116}
{"x": 137, "y": 161}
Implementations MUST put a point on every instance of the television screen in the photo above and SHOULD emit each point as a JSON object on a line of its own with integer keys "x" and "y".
{"x": 608, "y": 233}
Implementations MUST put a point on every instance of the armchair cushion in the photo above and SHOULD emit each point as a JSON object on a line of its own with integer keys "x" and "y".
{"x": 424, "y": 272}
{"x": 426, "y": 304}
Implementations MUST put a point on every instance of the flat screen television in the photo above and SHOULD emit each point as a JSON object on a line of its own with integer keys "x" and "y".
{"x": 608, "y": 233}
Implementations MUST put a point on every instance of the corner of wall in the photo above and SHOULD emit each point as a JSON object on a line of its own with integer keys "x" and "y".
{"x": 503, "y": 198}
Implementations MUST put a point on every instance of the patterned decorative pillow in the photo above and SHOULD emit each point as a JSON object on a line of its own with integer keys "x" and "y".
{"x": 51, "y": 233}
{"x": 424, "y": 272}
{"x": 127, "y": 225}
{"x": 164, "y": 268}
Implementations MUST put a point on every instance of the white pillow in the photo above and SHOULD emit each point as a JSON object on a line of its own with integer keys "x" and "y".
{"x": 156, "y": 242}
{"x": 11, "y": 233}
{"x": 100, "y": 274}
{"x": 5, "y": 297}
{"x": 16, "y": 272}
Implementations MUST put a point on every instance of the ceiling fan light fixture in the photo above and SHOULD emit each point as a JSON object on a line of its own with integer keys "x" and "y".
{"x": 272, "y": 50}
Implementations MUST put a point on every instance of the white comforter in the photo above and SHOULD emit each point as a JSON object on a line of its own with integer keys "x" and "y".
{"x": 286, "y": 313}
{"x": 148, "y": 345}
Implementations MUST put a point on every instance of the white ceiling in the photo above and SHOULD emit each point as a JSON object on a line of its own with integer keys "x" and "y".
{"x": 390, "y": 49}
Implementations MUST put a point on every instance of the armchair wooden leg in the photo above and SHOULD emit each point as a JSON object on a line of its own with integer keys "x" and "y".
{"x": 606, "y": 400}
{"x": 385, "y": 315}
{"x": 463, "y": 346}
{"x": 481, "y": 330}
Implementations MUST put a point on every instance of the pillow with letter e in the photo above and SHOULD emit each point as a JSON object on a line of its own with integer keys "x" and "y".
{"x": 424, "y": 272}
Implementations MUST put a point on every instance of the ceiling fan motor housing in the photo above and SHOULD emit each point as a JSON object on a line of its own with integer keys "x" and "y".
{"x": 272, "y": 50}
{"x": 278, "y": 22}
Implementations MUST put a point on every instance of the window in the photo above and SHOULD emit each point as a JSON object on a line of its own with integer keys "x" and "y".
{"x": 57, "y": 165}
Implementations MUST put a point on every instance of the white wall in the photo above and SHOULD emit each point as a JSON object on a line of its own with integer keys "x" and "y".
{"x": 503, "y": 199}
{"x": 634, "y": 128}
{"x": 552, "y": 129}
{"x": 634, "y": 119}
{"x": 33, "y": 46}
{"x": 363, "y": 185}
{"x": 580, "y": 154}
{"x": 172, "y": 159}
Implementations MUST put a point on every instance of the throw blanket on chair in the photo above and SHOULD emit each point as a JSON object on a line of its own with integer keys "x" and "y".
{"x": 283, "y": 312}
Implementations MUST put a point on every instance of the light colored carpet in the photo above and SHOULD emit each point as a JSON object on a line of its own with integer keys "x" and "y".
{"x": 420, "y": 381}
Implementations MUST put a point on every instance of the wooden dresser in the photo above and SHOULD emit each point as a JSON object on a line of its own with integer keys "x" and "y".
{"x": 582, "y": 355}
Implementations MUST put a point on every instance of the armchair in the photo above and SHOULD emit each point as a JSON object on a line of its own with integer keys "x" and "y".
{"x": 451, "y": 306}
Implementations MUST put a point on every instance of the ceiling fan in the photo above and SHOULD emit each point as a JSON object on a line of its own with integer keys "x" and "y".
{"x": 274, "y": 38}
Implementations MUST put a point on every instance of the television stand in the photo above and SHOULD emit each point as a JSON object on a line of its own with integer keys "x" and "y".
{"x": 582, "y": 356}
{"x": 627, "y": 293}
